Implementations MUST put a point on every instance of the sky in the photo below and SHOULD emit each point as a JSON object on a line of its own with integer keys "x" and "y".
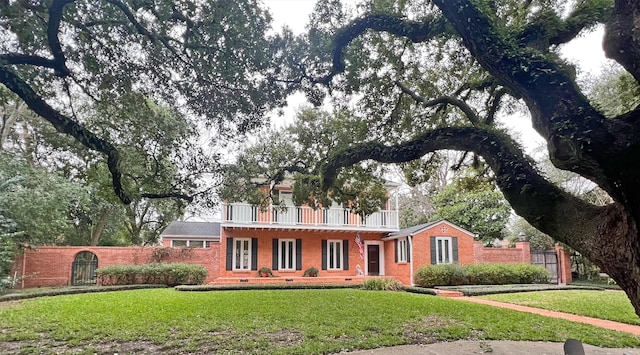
{"x": 585, "y": 51}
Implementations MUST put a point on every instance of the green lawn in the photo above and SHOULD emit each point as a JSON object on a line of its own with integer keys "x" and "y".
{"x": 611, "y": 305}
{"x": 285, "y": 321}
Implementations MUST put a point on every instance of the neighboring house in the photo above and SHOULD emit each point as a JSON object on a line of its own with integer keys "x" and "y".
{"x": 191, "y": 234}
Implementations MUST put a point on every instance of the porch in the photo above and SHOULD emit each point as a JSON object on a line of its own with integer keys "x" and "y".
{"x": 241, "y": 214}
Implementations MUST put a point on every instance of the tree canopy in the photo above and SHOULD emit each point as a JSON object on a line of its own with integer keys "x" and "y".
{"x": 432, "y": 75}
{"x": 210, "y": 60}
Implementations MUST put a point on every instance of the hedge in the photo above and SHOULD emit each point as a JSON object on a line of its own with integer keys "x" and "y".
{"x": 480, "y": 274}
{"x": 171, "y": 274}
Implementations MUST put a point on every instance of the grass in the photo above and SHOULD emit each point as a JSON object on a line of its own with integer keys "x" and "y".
{"x": 610, "y": 305}
{"x": 268, "y": 321}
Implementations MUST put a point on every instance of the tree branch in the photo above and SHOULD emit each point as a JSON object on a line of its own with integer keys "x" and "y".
{"x": 548, "y": 29}
{"x": 66, "y": 125}
{"x": 622, "y": 40}
{"x": 415, "y": 31}
{"x": 53, "y": 30}
{"x": 580, "y": 139}
{"x": 530, "y": 195}
{"x": 443, "y": 100}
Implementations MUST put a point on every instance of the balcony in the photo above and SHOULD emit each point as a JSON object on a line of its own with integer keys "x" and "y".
{"x": 303, "y": 217}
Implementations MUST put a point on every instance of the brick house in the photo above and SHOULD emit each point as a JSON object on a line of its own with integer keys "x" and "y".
{"x": 342, "y": 245}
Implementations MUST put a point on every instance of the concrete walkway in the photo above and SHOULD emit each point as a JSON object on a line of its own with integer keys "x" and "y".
{"x": 607, "y": 324}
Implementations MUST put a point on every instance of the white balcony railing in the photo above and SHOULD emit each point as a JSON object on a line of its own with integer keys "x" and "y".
{"x": 241, "y": 213}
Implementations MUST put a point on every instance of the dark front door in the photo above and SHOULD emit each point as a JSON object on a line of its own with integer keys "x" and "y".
{"x": 373, "y": 260}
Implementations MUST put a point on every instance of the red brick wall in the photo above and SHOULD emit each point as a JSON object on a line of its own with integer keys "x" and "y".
{"x": 311, "y": 249}
{"x": 564, "y": 269}
{"x": 51, "y": 266}
{"x": 520, "y": 254}
{"x": 398, "y": 270}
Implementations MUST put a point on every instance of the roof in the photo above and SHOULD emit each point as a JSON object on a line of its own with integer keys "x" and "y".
{"x": 410, "y": 230}
{"x": 192, "y": 229}
{"x": 421, "y": 227}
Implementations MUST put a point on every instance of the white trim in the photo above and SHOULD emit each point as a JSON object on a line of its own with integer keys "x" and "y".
{"x": 293, "y": 254}
{"x": 189, "y": 241}
{"x": 434, "y": 225}
{"x": 403, "y": 250}
{"x": 449, "y": 250}
{"x": 410, "y": 241}
{"x": 234, "y": 265}
{"x": 338, "y": 258}
{"x": 380, "y": 245}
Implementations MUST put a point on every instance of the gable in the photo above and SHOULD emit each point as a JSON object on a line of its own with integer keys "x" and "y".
{"x": 441, "y": 227}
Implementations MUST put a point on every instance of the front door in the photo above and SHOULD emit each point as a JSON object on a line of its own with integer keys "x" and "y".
{"x": 373, "y": 260}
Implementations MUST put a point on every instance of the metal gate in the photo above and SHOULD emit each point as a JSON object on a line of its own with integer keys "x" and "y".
{"x": 84, "y": 269}
{"x": 549, "y": 260}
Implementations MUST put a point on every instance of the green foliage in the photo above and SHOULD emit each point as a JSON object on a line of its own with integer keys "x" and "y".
{"x": 382, "y": 284}
{"x": 264, "y": 272}
{"x": 480, "y": 274}
{"x": 537, "y": 239}
{"x": 311, "y": 272}
{"x": 297, "y": 152}
{"x": 475, "y": 206}
{"x": 615, "y": 91}
{"x": 170, "y": 274}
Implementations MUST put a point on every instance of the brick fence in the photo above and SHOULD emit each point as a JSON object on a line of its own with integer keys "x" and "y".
{"x": 520, "y": 254}
{"x": 52, "y": 266}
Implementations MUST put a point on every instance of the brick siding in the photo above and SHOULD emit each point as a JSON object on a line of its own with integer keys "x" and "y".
{"x": 51, "y": 266}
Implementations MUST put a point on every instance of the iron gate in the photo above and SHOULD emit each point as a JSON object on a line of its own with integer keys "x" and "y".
{"x": 84, "y": 269}
{"x": 549, "y": 260}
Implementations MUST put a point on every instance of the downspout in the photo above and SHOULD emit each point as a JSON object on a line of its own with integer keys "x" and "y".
{"x": 24, "y": 265}
{"x": 397, "y": 213}
{"x": 409, "y": 239}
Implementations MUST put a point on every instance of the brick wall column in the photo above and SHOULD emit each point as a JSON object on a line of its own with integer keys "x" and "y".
{"x": 477, "y": 252}
{"x": 564, "y": 267}
{"x": 526, "y": 251}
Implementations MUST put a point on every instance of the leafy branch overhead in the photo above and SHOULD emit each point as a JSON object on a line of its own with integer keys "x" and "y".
{"x": 208, "y": 60}
{"x": 443, "y": 74}
{"x": 294, "y": 156}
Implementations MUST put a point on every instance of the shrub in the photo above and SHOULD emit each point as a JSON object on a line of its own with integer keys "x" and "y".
{"x": 311, "y": 272}
{"x": 156, "y": 273}
{"x": 264, "y": 272}
{"x": 480, "y": 274}
{"x": 434, "y": 275}
{"x": 382, "y": 284}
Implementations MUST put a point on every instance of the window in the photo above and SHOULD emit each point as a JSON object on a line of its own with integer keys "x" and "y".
{"x": 178, "y": 243}
{"x": 196, "y": 244}
{"x": 287, "y": 254}
{"x": 241, "y": 254}
{"x": 402, "y": 250}
{"x": 443, "y": 250}
{"x": 334, "y": 254}
{"x": 191, "y": 243}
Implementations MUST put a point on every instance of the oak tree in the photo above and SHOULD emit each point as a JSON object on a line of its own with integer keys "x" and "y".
{"x": 484, "y": 57}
